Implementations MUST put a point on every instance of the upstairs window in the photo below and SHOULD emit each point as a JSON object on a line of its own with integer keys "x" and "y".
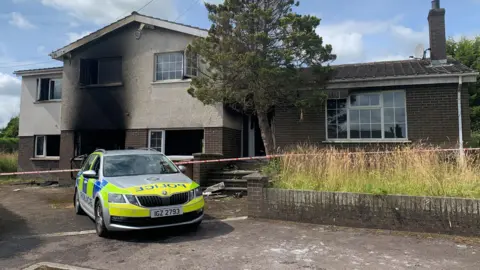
{"x": 175, "y": 66}
{"x": 49, "y": 89}
{"x": 368, "y": 116}
{"x": 101, "y": 71}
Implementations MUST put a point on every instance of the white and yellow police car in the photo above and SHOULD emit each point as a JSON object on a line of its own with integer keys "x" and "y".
{"x": 134, "y": 190}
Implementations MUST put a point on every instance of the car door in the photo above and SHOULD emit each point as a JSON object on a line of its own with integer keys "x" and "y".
{"x": 90, "y": 182}
{"x": 82, "y": 184}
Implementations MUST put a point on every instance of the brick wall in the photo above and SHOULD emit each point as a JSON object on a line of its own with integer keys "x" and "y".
{"x": 431, "y": 118}
{"x": 222, "y": 140}
{"x": 136, "y": 138}
{"x": 420, "y": 214}
{"x": 26, "y": 162}
{"x": 67, "y": 138}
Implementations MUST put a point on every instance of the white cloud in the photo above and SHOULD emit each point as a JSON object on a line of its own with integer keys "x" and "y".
{"x": 348, "y": 39}
{"x": 9, "y": 97}
{"x": 389, "y": 58}
{"x": 216, "y": 2}
{"x": 107, "y": 11}
{"x": 9, "y": 107}
{"x": 18, "y": 20}
{"x": 72, "y": 36}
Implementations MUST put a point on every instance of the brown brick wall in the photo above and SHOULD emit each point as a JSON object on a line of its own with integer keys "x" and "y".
{"x": 221, "y": 140}
{"x": 27, "y": 163}
{"x": 392, "y": 212}
{"x": 136, "y": 138}
{"x": 431, "y": 118}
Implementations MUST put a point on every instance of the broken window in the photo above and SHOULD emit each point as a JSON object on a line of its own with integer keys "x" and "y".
{"x": 175, "y": 65}
{"x": 101, "y": 71}
{"x": 49, "y": 89}
{"x": 47, "y": 146}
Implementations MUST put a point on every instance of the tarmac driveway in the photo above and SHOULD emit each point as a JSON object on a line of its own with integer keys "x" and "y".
{"x": 218, "y": 244}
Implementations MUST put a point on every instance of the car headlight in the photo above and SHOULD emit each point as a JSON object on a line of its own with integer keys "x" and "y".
{"x": 122, "y": 198}
{"x": 196, "y": 193}
{"x": 131, "y": 199}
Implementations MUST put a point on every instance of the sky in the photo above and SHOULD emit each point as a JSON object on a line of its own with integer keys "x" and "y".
{"x": 358, "y": 30}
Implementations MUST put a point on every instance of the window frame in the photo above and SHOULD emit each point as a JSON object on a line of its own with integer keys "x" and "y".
{"x": 50, "y": 89}
{"x": 44, "y": 154}
{"x": 369, "y": 107}
{"x": 98, "y": 60}
{"x": 163, "y": 139}
{"x": 155, "y": 62}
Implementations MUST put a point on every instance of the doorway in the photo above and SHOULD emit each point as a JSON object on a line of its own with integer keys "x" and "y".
{"x": 252, "y": 138}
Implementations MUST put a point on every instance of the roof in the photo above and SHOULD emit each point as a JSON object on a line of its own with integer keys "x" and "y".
{"x": 39, "y": 71}
{"x": 396, "y": 69}
{"x": 134, "y": 17}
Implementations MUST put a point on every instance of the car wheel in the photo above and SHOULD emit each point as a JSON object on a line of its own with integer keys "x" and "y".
{"x": 99, "y": 222}
{"x": 76, "y": 204}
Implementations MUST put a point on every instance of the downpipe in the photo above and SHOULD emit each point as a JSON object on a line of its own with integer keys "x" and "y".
{"x": 460, "y": 123}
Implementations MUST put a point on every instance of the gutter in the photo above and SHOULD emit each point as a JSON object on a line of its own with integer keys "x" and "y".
{"x": 449, "y": 75}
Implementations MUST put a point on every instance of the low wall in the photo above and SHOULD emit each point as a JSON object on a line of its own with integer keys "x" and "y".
{"x": 408, "y": 213}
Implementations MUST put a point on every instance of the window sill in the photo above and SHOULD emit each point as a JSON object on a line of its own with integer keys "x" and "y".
{"x": 102, "y": 85}
{"x": 47, "y": 101}
{"x": 366, "y": 141}
{"x": 172, "y": 81}
{"x": 45, "y": 158}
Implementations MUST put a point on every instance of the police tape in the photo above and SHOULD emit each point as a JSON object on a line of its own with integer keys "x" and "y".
{"x": 255, "y": 158}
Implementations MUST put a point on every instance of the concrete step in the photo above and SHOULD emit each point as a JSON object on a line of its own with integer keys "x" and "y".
{"x": 234, "y": 173}
{"x": 216, "y": 181}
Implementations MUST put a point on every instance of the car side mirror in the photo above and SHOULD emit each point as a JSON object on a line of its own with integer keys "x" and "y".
{"x": 182, "y": 168}
{"x": 89, "y": 174}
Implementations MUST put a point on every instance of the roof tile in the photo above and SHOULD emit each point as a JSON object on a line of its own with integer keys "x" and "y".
{"x": 401, "y": 68}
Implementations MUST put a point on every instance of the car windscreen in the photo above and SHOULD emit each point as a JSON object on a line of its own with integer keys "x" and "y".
{"x": 137, "y": 164}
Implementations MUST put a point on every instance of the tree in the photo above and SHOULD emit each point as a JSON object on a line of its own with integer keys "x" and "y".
{"x": 467, "y": 51}
{"x": 11, "y": 130}
{"x": 260, "y": 55}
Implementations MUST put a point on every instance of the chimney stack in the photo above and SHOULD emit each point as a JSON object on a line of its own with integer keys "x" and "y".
{"x": 438, "y": 39}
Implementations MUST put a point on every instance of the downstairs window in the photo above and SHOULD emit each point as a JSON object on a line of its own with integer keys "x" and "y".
{"x": 368, "y": 116}
{"x": 47, "y": 146}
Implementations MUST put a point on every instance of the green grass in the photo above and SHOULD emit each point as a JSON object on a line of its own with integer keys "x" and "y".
{"x": 8, "y": 163}
{"x": 408, "y": 171}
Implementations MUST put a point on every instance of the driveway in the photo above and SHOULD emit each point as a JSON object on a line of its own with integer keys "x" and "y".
{"x": 221, "y": 244}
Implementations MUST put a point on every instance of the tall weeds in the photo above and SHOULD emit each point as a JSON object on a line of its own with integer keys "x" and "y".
{"x": 8, "y": 162}
{"x": 408, "y": 171}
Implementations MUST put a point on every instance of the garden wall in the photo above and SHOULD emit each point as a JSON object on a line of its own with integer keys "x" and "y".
{"x": 408, "y": 213}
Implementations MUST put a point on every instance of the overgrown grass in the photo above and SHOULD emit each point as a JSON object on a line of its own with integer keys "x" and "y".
{"x": 8, "y": 163}
{"x": 408, "y": 171}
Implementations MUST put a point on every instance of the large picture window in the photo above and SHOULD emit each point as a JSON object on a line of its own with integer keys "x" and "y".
{"x": 367, "y": 116}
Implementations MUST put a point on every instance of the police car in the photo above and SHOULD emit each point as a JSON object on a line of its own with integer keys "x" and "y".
{"x": 134, "y": 190}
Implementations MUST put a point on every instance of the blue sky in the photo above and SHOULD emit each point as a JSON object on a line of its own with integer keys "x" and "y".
{"x": 359, "y": 30}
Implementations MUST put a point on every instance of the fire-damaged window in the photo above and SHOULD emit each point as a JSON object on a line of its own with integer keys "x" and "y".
{"x": 47, "y": 146}
{"x": 175, "y": 66}
{"x": 100, "y": 71}
{"x": 368, "y": 116}
{"x": 49, "y": 89}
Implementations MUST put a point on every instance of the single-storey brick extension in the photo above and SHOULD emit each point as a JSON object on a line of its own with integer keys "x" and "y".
{"x": 125, "y": 85}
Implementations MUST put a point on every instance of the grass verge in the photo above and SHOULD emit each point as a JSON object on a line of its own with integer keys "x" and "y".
{"x": 8, "y": 163}
{"x": 408, "y": 171}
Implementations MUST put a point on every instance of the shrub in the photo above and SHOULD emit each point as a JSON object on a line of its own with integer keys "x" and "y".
{"x": 408, "y": 171}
